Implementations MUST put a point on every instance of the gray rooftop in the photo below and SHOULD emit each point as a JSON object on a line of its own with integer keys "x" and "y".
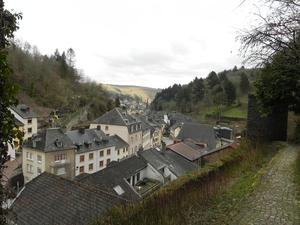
{"x": 24, "y": 111}
{"x": 198, "y": 132}
{"x": 89, "y": 139}
{"x": 49, "y": 140}
{"x": 176, "y": 163}
{"x": 115, "y": 174}
{"x": 49, "y": 199}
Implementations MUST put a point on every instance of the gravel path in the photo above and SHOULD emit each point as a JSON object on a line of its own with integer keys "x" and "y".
{"x": 274, "y": 199}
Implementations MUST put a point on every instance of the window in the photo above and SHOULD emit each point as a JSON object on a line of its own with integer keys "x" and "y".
{"x": 29, "y": 168}
{"x": 81, "y": 158}
{"x": 29, "y": 130}
{"x": 108, "y": 152}
{"x": 135, "y": 138}
{"x": 29, "y": 121}
{"x": 118, "y": 152}
{"x": 29, "y": 155}
{"x": 119, "y": 190}
{"x": 91, "y": 166}
{"x": 101, "y": 153}
{"x": 61, "y": 170}
{"x": 39, "y": 158}
{"x": 91, "y": 156}
{"x": 81, "y": 169}
{"x": 60, "y": 157}
{"x": 39, "y": 170}
{"x": 107, "y": 161}
{"x": 131, "y": 140}
{"x": 123, "y": 149}
{"x": 106, "y": 127}
{"x": 101, "y": 164}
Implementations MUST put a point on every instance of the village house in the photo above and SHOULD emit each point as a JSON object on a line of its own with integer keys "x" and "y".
{"x": 118, "y": 121}
{"x": 26, "y": 116}
{"x": 49, "y": 150}
{"x": 167, "y": 165}
{"x": 127, "y": 179}
{"x": 201, "y": 133}
{"x": 189, "y": 150}
{"x": 94, "y": 150}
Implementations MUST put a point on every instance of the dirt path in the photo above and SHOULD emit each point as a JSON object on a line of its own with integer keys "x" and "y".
{"x": 274, "y": 199}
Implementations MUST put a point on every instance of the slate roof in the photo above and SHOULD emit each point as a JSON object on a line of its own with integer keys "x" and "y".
{"x": 116, "y": 116}
{"x": 116, "y": 174}
{"x": 187, "y": 149}
{"x": 48, "y": 140}
{"x": 18, "y": 122}
{"x": 24, "y": 111}
{"x": 118, "y": 142}
{"x": 176, "y": 163}
{"x": 198, "y": 132}
{"x": 49, "y": 199}
{"x": 89, "y": 139}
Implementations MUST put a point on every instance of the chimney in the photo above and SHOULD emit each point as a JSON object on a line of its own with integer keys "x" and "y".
{"x": 163, "y": 149}
{"x": 81, "y": 130}
{"x": 98, "y": 127}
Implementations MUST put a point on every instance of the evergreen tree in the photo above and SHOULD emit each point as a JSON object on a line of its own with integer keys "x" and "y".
{"x": 212, "y": 79}
{"x": 198, "y": 90}
{"x": 230, "y": 93}
{"x": 117, "y": 102}
{"x": 244, "y": 83}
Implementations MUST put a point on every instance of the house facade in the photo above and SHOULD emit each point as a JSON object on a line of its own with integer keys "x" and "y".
{"x": 49, "y": 150}
{"x": 26, "y": 116}
{"x": 124, "y": 125}
{"x": 94, "y": 149}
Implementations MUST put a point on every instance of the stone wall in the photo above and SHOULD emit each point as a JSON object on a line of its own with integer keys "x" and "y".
{"x": 272, "y": 128}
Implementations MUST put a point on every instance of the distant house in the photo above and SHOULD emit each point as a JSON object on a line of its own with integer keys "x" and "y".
{"x": 218, "y": 153}
{"x": 174, "y": 130}
{"x": 26, "y": 116}
{"x": 119, "y": 122}
{"x": 146, "y": 131}
{"x": 49, "y": 150}
{"x": 94, "y": 150}
{"x": 119, "y": 178}
{"x": 121, "y": 147}
{"x": 200, "y": 133}
{"x": 168, "y": 164}
{"x": 49, "y": 199}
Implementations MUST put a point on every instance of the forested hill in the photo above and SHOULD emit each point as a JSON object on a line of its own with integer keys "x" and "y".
{"x": 226, "y": 88}
{"x": 49, "y": 82}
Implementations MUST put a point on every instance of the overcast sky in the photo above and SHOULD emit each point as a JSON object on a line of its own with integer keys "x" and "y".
{"x": 152, "y": 43}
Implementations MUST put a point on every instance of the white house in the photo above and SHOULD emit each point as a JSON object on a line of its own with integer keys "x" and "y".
{"x": 25, "y": 115}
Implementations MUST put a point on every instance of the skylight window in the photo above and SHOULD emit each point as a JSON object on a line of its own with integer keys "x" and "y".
{"x": 119, "y": 190}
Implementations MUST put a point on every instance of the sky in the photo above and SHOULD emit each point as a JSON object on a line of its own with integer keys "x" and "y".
{"x": 150, "y": 43}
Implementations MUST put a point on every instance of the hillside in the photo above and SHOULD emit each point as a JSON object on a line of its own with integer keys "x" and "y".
{"x": 134, "y": 91}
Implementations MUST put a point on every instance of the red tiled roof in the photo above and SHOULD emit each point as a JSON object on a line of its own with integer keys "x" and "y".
{"x": 184, "y": 150}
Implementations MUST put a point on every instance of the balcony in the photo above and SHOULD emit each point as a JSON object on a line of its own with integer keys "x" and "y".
{"x": 147, "y": 186}
{"x": 60, "y": 163}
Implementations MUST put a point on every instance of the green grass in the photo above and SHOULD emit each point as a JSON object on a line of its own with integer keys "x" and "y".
{"x": 235, "y": 112}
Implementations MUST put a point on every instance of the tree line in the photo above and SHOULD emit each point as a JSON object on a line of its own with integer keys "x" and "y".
{"x": 215, "y": 90}
{"x": 53, "y": 81}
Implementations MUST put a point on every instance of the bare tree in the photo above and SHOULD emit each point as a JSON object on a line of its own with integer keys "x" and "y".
{"x": 275, "y": 26}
